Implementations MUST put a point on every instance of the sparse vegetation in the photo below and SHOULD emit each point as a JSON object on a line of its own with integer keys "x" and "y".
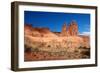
{"x": 53, "y": 51}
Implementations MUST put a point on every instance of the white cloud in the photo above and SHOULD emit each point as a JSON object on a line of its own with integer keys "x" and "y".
{"x": 85, "y": 33}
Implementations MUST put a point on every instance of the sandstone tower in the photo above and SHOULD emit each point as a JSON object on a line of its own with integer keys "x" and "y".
{"x": 64, "y": 30}
{"x": 73, "y": 29}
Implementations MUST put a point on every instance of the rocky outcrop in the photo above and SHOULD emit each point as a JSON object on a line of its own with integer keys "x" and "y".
{"x": 28, "y": 29}
{"x": 38, "y": 32}
{"x": 73, "y": 29}
{"x": 64, "y": 30}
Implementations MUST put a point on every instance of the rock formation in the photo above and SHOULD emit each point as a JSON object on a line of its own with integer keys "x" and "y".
{"x": 73, "y": 29}
{"x": 64, "y": 30}
{"x": 38, "y": 32}
{"x": 28, "y": 29}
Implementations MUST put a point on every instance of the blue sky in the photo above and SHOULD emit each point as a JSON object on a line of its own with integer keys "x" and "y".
{"x": 54, "y": 20}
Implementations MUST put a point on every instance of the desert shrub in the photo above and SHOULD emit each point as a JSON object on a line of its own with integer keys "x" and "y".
{"x": 76, "y": 51}
{"x": 27, "y": 49}
{"x": 49, "y": 46}
{"x": 85, "y": 56}
{"x": 80, "y": 47}
{"x": 87, "y": 53}
{"x": 35, "y": 50}
{"x": 83, "y": 47}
